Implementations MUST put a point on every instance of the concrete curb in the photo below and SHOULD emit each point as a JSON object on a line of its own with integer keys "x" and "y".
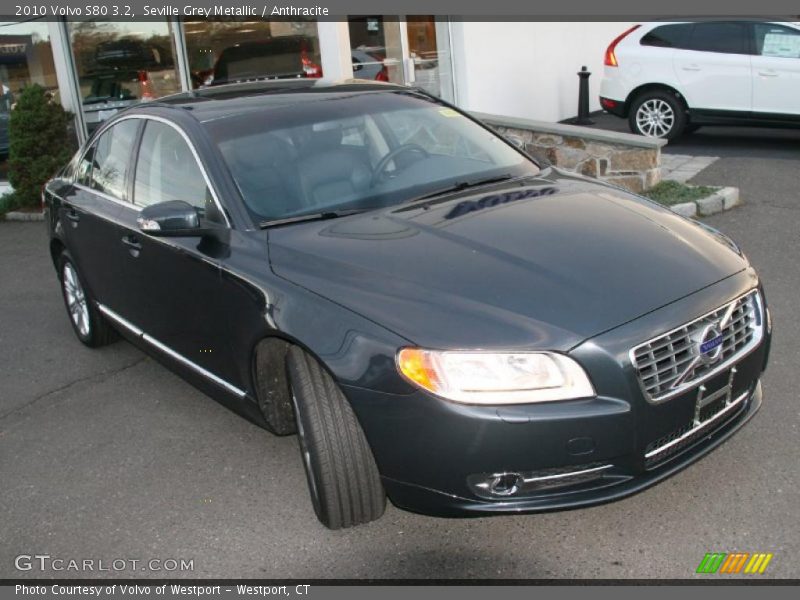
{"x": 722, "y": 199}
{"x": 16, "y": 215}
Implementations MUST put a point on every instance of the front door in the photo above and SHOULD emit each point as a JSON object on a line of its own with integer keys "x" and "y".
{"x": 776, "y": 70}
{"x": 183, "y": 301}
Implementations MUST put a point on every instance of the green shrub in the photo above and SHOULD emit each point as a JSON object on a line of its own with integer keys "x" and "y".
{"x": 8, "y": 202}
{"x": 671, "y": 192}
{"x": 39, "y": 143}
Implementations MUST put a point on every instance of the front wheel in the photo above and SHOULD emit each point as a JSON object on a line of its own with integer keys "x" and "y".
{"x": 343, "y": 478}
{"x": 657, "y": 114}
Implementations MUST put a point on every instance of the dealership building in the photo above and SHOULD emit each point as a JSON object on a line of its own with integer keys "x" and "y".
{"x": 95, "y": 68}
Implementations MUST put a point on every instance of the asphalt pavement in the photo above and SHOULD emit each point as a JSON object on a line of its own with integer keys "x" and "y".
{"x": 106, "y": 455}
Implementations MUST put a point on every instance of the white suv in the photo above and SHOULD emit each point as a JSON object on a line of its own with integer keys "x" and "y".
{"x": 667, "y": 78}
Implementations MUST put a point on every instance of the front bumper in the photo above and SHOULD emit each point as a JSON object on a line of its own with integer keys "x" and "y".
{"x": 615, "y": 484}
{"x": 430, "y": 451}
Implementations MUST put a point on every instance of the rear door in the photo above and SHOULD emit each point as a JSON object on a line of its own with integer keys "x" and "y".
{"x": 715, "y": 69}
{"x": 776, "y": 70}
{"x": 90, "y": 212}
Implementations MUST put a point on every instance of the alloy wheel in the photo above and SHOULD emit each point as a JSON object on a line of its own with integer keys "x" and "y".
{"x": 655, "y": 118}
{"x": 76, "y": 299}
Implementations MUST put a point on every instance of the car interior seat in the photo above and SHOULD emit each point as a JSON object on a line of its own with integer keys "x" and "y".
{"x": 330, "y": 172}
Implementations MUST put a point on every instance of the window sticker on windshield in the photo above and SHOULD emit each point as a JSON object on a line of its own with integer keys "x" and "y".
{"x": 448, "y": 112}
{"x": 781, "y": 45}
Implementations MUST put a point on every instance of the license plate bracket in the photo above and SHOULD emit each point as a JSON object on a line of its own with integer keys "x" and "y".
{"x": 713, "y": 396}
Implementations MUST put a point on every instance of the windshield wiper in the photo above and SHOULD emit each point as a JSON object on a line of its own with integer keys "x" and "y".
{"x": 320, "y": 216}
{"x": 463, "y": 185}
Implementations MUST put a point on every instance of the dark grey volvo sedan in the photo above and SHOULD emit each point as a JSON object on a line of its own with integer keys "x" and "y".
{"x": 441, "y": 320}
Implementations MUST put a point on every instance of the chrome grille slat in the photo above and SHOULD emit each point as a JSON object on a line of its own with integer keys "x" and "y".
{"x": 662, "y": 362}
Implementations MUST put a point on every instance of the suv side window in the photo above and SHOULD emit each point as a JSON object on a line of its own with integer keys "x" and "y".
{"x": 105, "y": 166}
{"x": 723, "y": 38}
{"x": 668, "y": 36}
{"x": 777, "y": 41}
{"x": 166, "y": 169}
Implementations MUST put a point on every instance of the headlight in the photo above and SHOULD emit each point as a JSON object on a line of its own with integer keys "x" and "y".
{"x": 496, "y": 377}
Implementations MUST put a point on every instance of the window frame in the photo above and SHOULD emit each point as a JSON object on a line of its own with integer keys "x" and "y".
{"x": 134, "y": 160}
{"x": 91, "y": 146}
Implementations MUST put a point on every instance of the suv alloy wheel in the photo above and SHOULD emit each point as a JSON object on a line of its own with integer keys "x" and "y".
{"x": 657, "y": 114}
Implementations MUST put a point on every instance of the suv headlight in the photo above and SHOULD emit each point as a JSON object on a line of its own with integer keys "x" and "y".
{"x": 495, "y": 377}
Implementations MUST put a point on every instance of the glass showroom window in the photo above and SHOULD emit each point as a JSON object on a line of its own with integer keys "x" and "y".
{"x": 230, "y": 51}
{"x": 121, "y": 64}
{"x": 25, "y": 58}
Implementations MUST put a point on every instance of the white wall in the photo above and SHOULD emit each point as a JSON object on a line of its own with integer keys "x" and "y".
{"x": 528, "y": 69}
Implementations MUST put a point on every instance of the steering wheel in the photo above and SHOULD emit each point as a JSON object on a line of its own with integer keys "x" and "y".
{"x": 384, "y": 162}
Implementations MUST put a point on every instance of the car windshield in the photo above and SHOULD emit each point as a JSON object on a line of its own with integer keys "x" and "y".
{"x": 344, "y": 152}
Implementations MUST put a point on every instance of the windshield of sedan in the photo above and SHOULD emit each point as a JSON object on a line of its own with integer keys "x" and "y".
{"x": 343, "y": 153}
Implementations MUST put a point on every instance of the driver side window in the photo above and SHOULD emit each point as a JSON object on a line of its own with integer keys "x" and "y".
{"x": 166, "y": 169}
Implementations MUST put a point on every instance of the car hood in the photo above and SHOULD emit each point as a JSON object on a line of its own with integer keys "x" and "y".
{"x": 543, "y": 263}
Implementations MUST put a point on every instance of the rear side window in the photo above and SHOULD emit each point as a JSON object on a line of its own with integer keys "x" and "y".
{"x": 668, "y": 36}
{"x": 777, "y": 41}
{"x": 105, "y": 165}
{"x": 723, "y": 38}
{"x": 166, "y": 169}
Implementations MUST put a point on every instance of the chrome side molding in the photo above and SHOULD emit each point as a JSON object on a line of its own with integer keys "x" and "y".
{"x": 169, "y": 351}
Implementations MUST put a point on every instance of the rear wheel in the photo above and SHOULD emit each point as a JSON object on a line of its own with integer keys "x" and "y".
{"x": 343, "y": 479}
{"x": 87, "y": 322}
{"x": 657, "y": 114}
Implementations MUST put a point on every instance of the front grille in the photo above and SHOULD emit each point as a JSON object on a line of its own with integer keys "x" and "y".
{"x": 672, "y": 363}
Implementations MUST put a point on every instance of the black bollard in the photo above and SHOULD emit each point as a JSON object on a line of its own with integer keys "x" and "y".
{"x": 583, "y": 98}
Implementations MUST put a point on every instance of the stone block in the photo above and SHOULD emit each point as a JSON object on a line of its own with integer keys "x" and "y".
{"x": 685, "y": 209}
{"x": 634, "y": 160}
{"x": 633, "y": 183}
{"x": 710, "y": 204}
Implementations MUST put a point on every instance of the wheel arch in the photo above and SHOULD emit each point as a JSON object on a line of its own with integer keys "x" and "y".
{"x": 653, "y": 87}
{"x": 56, "y": 248}
{"x": 269, "y": 362}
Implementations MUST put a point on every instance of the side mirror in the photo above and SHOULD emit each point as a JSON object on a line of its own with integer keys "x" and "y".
{"x": 173, "y": 218}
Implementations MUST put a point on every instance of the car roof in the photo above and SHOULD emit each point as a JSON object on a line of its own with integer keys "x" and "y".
{"x": 214, "y": 102}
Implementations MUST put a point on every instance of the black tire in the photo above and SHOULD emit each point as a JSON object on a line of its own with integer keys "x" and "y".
{"x": 343, "y": 478}
{"x": 658, "y": 103}
{"x": 93, "y": 330}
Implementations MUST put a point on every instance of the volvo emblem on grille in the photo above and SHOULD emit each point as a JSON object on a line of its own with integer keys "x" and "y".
{"x": 709, "y": 344}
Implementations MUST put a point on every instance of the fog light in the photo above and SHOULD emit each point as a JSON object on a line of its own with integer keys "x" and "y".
{"x": 504, "y": 485}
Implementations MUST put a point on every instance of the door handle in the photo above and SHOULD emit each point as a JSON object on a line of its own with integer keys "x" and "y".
{"x": 133, "y": 244}
{"x": 768, "y": 73}
{"x": 691, "y": 68}
{"x": 73, "y": 215}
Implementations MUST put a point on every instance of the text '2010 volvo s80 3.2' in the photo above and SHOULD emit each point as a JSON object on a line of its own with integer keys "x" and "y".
{"x": 440, "y": 319}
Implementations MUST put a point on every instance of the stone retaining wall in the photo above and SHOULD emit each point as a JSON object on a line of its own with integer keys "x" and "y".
{"x": 626, "y": 160}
